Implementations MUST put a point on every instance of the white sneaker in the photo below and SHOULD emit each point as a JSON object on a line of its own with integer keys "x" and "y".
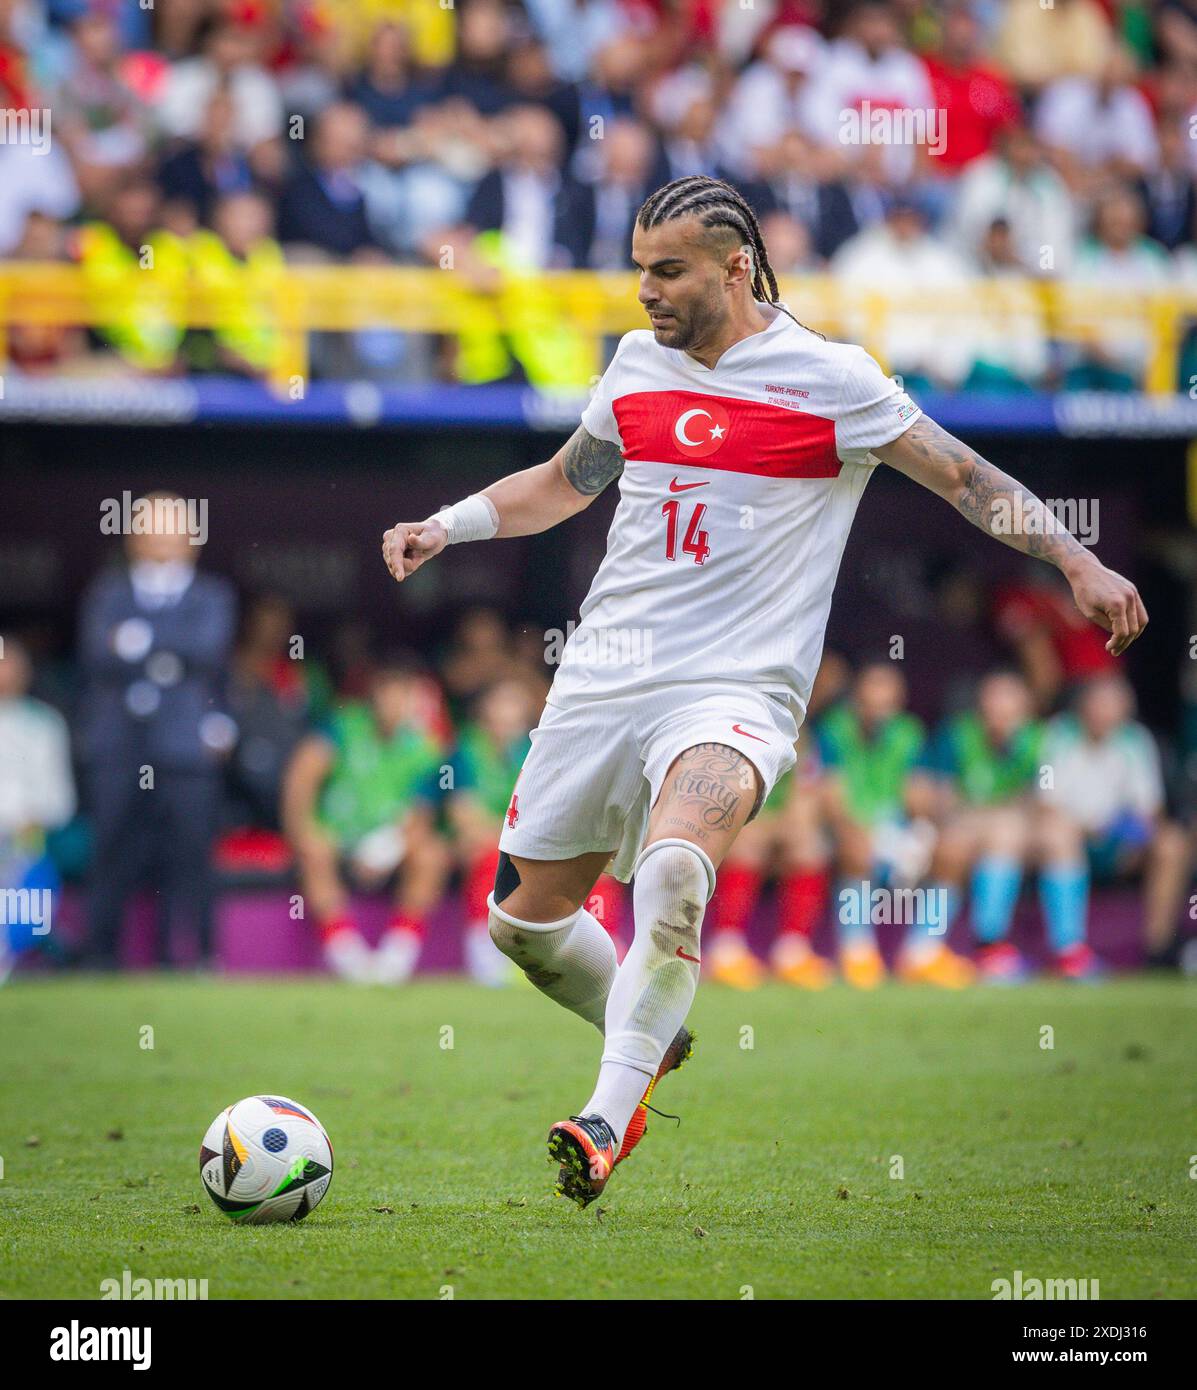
{"x": 396, "y": 957}
{"x": 484, "y": 962}
{"x": 347, "y": 955}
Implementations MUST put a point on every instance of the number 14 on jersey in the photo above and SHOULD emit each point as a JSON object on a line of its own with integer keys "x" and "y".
{"x": 695, "y": 542}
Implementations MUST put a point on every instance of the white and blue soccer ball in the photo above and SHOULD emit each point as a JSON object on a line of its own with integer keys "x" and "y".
{"x": 266, "y": 1159}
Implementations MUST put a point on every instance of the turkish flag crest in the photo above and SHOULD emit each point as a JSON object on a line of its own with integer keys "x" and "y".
{"x": 701, "y": 429}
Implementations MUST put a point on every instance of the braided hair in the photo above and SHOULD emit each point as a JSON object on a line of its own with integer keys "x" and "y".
{"x": 718, "y": 204}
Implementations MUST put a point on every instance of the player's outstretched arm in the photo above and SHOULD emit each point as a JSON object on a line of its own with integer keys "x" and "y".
{"x": 1001, "y": 506}
{"x": 522, "y": 504}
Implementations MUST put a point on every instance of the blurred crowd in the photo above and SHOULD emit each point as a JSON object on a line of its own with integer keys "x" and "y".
{"x": 905, "y": 145}
{"x": 203, "y": 748}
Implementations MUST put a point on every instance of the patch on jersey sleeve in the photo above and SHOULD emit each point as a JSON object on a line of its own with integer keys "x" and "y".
{"x": 906, "y": 408}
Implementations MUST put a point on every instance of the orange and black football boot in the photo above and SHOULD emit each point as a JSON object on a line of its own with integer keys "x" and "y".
{"x": 679, "y": 1050}
{"x": 584, "y": 1146}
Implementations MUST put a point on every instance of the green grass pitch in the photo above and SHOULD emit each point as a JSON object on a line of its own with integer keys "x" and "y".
{"x": 1069, "y": 1161}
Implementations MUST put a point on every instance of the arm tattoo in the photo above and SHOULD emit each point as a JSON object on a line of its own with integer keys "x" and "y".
{"x": 590, "y": 464}
{"x": 708, "y": 787}
{"x": 992, "y": 500}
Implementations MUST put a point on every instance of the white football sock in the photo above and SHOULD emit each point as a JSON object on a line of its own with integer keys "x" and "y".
{"x": 654, "y": 987}
{"x": 572, "y": 960}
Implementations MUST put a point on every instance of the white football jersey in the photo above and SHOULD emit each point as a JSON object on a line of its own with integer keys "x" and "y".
{"x": 739, "y": 486}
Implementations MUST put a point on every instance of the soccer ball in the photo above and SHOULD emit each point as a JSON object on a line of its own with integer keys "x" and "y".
{"x": 266, "y": 1159}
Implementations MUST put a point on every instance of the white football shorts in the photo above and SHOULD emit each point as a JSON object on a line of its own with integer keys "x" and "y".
{"x": 596, "y": 766}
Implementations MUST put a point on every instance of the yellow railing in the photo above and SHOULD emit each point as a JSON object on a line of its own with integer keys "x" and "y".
{"x": 303, "y": 299}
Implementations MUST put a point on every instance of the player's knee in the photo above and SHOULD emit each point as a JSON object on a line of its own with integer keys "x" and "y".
{"x": 523, "y": 941}
{"x": 677, "y": 878}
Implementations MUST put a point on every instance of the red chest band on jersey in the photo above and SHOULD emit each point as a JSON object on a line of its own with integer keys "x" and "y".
{"x": 725, "y": 433}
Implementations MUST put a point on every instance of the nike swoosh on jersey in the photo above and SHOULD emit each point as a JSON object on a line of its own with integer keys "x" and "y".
{"x": 737, "y": 730}
{"x": 675, "y": 486}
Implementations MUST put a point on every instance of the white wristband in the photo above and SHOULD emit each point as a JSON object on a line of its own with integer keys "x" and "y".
{"x": 472, "y": 519}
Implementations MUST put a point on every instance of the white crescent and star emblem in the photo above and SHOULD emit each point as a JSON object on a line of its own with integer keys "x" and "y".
{"x": 700, "y": 430}
{"x": 679, "y": 429}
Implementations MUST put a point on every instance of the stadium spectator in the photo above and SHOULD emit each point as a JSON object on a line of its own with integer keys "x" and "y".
{"x": 536, "y": 216}
{"x": 230, "y": 61}
{"x": 476, "y": 74}
{"x": 686, "y": 111}
{"x": 316, "y": 73}
{"x": 1101, "y": 816}
{"x": 1176, "y": 31}
{"x": 531, "y": 80}
{"x": 154, "y": 643}
{"x": 322, "y": 211}
{"x": 1017, "y": 183}
{"x": 210, "y": 167}
{"x": 1038, "y": 44}
{"x": 987, "y": 761}
{"x": 358, "y": 808}
{"x": 975, "y": 98}
{"x": 792, "y": 182}
{"x": 927, "y": 341}
{"x": 237, "y": 267}
{"x": 771, "y": 100}
{"x": 620, "y": 71}
{"x": 575, "y": 31}
{"x": 100, "y": 118}
{"x": 135, "y": 269}
{"x": 1010, "y": 333}
{"x": 1117, "y": 339}
{"x": 36, "y": 174}
{"x": 1098, "y": 126}
{"x": 790, "y": 249}
{"x": 868, "y": 72}
{"x": 37, "y": 796}
{"x": 879, "y": 801}
{"x": 628, "y": 157}
{"x": 1167, "y": 190}
{"x": 388, "y": 88}
{"x": 38, "y": 348}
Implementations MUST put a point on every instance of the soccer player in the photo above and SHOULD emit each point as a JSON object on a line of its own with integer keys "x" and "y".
{"x": 357, "y": 807}
{"x": 880, "y": 801}
{"x": 1101, "y": 815}
{"x": 491, "y": 748}
{"x": 742, "y": 442}
{"x": 989, "y": 761}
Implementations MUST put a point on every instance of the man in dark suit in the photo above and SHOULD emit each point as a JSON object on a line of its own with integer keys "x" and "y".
{"x": 155, "y": 638}
{"x": 546, "y": 216}
{"x": 792, "y": 183}
{"x": 323, "y": 205}
{"x": 629, "y": 157}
